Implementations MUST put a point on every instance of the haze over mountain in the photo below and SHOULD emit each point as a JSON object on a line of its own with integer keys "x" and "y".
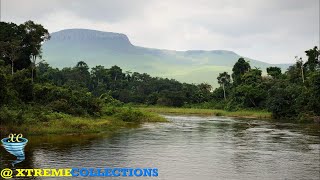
{"x": 67, "y": 47}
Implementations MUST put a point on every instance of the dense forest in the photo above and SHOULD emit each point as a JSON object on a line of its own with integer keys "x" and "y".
{"x": 30, "y": 85}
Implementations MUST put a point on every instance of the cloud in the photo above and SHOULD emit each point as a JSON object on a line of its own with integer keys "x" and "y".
{"x": 270, "y": 30}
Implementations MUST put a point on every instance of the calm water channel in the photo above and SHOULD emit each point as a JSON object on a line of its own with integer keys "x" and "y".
{"x": 188, "y": 148}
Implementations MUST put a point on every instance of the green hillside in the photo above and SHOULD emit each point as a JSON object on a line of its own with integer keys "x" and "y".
{"x": 67, "y": 47}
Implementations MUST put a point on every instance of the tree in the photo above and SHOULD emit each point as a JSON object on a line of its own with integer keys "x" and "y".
{"x": 253, "y": 76}
{"x": 80, "y": 74}
{"x": 23, "y": 85}
{"x": 251, "y": 92}
{"x": 204, "y": 90}
{"x": 299, "y": 64}
{"x": 116, "y": 72}
{"x": 223, "y": 80}
{"x": 20, "y": 43}
{"x": 35, "y": 34}
{"x": 99, "y": 75}
{"x": 313, "y": 58}
{"x": 11, "y": 50}
{"x": 314, "y": 99}
{"x": 10, "y": 43}
{"x": 128, "y": 74}
{"x": 3, "y": 87}
{"x": 239, "y": 69}
{"x": 250, "y": 95}
{"x": 274, "y": 72}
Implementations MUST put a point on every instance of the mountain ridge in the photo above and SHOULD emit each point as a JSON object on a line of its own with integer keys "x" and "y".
{"x": 68, "y": 46}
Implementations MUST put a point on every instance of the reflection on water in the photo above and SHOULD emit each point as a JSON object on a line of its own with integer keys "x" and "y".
{"x": 188, "y": 148}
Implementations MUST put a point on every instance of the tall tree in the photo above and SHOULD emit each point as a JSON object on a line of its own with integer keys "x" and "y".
{"x": 116, "y": 72}
{"x": 300, "y": 66}
{"x": 11, "y": 50}
{"x": 35, "y": 35}
{"x": 313, "y": 58}
{"x": 13, "y": 46}
{"x": 241, "y": 67}
{"x": 224, "y": 79}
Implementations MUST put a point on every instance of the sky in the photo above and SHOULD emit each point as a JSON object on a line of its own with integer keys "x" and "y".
{"x": 273, "y": 31}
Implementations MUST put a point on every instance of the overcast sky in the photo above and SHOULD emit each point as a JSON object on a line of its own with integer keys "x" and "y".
{"x": 273, "y": 31}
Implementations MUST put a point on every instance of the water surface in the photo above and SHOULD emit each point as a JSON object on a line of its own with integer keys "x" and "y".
{"x": 188, "y": 148}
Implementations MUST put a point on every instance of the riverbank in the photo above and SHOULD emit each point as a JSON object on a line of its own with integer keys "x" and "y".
{"x": 209, "y": 112}
{"x": 113, "y": 120}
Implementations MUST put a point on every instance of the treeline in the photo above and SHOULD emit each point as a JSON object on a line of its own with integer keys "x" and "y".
{"x": 22, "y": 97}
{"x": 31, "y": 89}
{"x": 294, "y": 94}
{"x": 126, "y": 87}
{"x": 29, "y": 85}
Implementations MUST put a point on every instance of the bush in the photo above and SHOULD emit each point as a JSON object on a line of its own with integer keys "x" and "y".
{"x": 130, "y": 115}
{"x": 9, "y": 116}
{"x": 65, "y": 100}
{"x": 23, "y": 85}
{"x": 61, "y": 105}
{"x": 305, "y": 117}
{"x": 108, "y": 99}
{"x": 110, "y": 110}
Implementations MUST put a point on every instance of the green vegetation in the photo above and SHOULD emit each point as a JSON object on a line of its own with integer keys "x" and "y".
{"x": 41, "y": 99}
{"x": 60, "y": 123}
{"x": 209, "y": 112}
{"x": 293, "y": 95}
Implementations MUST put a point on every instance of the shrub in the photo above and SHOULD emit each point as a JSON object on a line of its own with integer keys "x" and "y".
{"x": 61, "y": 105}
{"x": 23, "y": 85}
{"x": 109, "y": 100}
{"x": 130, "y": 115}
{"x": 110, "y": 110}
{"x": 65, "y": 100}
{"x": 8, "y": 116}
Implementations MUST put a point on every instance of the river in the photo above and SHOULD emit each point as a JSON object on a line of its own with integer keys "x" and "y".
{"x": 187, "y": 148}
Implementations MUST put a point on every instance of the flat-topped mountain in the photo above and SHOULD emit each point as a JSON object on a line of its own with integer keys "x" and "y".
{"x": 67, "y": 47}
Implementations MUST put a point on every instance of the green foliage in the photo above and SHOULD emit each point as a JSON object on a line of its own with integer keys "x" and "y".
{"x": 239, "y": 69}
{"x": 109, "y": 100}
{"x": 224, "y": 78}
{"x": 126, "y": 87}
{"x": 250, "y": 95}
{"x": 252, "y": 76}
{"x": 20, "y": 42}
{"x": 23, "y": 85}
{"x": 274, "y": 72}
{"x": 293, "y": 95}
{"x": 281, "y": 98}
{"x": 3, "y": 88}
{"x": 313, "y": 59}
{"x": 313, "y": 97}
{"x": 130, "y": 115}
{"x": 66, "y": 100}
{"x": 9, "y": 116}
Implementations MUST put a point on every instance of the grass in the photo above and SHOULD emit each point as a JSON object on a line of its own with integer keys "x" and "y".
{"x": 115, "y": 118}
{"x": 85, "y": 125}
{"x": 72, "y": 125}
{"x": 209, "y": 112}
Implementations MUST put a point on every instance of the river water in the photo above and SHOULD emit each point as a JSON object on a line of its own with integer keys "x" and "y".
{"x": 187, "y": 148}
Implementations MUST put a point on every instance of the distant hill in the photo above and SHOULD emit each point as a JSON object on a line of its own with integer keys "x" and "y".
{"x": 67, "y": 47}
